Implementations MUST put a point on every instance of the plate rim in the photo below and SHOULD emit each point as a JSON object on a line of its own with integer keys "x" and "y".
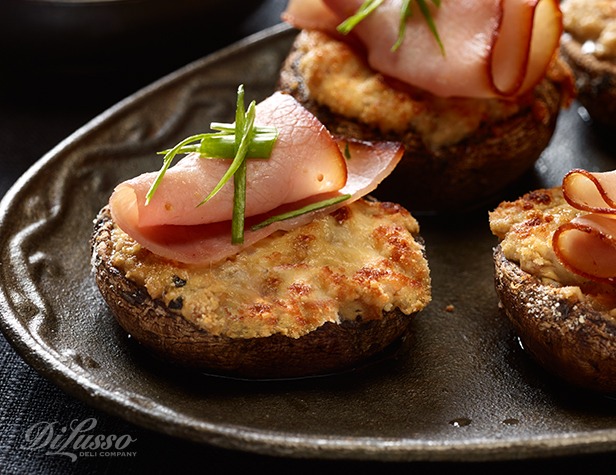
{"x": 249, "y": 439}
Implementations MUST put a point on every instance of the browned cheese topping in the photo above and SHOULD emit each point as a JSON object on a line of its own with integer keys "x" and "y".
{"x": 592, "y": 23}
{"x": 338, "y": 78}
{"x": 360, "y": 261}
{"x": 525, "y": 228}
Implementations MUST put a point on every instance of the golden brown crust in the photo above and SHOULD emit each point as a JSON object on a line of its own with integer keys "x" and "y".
{"x": 564, "y": 333}
{"x": 454, "y": 176}
{"x": 595, "y": 81}
{"x": 566, "y": 322}
{"x": 525, "y": 228}
{"x": 359, "y": 260}
{"x": 330, "y": 348}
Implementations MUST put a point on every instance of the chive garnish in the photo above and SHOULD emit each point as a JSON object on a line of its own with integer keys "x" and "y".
{"x": 362, "y": 12}
{"x": 236, "y": 141}
{"x": 425, "y": 11}
{"x": 220, "y": 144}
{"x": 300, "y": 211}
{"x": 406, "y": 12}
{"x": 167, "y": 160}
{"x": 239, "y": 205}
{"x": 347, "y": 151}
{"x": 244, "y": 133}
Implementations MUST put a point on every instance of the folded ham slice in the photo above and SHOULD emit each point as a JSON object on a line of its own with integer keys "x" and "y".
{"x": 307, "y": 165}
{"x": 593, "y": 192}
{"x": 315, "y": 166}
{"x": 493, "y": 48}
{"x": 587, "y": 244}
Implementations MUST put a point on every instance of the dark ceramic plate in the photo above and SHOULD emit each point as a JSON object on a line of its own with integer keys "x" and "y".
{"x": 459, "y": 388}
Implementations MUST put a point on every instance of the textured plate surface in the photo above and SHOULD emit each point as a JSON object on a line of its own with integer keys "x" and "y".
{"x": 460, "y": 388}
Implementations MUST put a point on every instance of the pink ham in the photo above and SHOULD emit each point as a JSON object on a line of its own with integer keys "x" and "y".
{"x": 587, "y": 247}
{"x": 306, "y": 173}
{"x": 311, "y": 14}
{"x": 595, "y": 192}
{"x": 306, "y": 166}
{"x": 587, "y": 244}
{"x": 493, "y": 48}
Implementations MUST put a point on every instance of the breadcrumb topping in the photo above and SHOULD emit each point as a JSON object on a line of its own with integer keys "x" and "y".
{"x": 525, "y": 228}
{"x": 592, "y": 23}
{"x": 358, "y": 262}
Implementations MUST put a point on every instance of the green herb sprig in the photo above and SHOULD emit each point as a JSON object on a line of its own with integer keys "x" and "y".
{"x": 406, "y": 12}
{"x": 236, "y": 141}
{"x": 221, "y": 144}
{"x": 362, "y": 12}
{"x": 298, "y": 212}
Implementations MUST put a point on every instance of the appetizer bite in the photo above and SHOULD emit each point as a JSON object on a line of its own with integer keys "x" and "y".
{"x": 556, "y": 276}
{"x": 589, "y": 47}
{"x": 472, "y": 89}
{"x": 258, "y": 254}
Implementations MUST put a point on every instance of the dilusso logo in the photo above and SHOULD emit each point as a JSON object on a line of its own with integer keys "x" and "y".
{"x": 76, "y": 440}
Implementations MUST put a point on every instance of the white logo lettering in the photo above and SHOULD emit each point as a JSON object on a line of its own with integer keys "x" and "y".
{"x": 74, "y": 440}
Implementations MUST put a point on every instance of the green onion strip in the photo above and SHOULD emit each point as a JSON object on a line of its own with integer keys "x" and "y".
{"x": 306, "y": 209}
{"x": 244, "y": 133}
{"x": 167, "y": 159}
{"x": 425, "y": 11}
{"x": 240, "y": 154}
{"x": 362, "y": 12}
{"x": 238, "y": 141}
{"x": 406, "y": 12}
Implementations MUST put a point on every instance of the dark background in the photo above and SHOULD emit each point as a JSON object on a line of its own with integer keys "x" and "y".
{"x": 48, "y": 89}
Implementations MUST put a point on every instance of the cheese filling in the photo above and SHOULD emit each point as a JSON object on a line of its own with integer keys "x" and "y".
{"x": 358, "y": 262}
{"x": 525, "y": 228}
{"x": 592, "y": 23}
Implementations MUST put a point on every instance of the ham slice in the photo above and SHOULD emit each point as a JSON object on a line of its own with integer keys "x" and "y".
{"x": 311, "y": 14}
{"x": 587, "y": 247}
{"x": 307, "y": 165}
{"x": 315, "y": 166}
{"x": 587, "y": 244}
{"x": 593, "y": 192}
{"x": 493, "y": 48}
